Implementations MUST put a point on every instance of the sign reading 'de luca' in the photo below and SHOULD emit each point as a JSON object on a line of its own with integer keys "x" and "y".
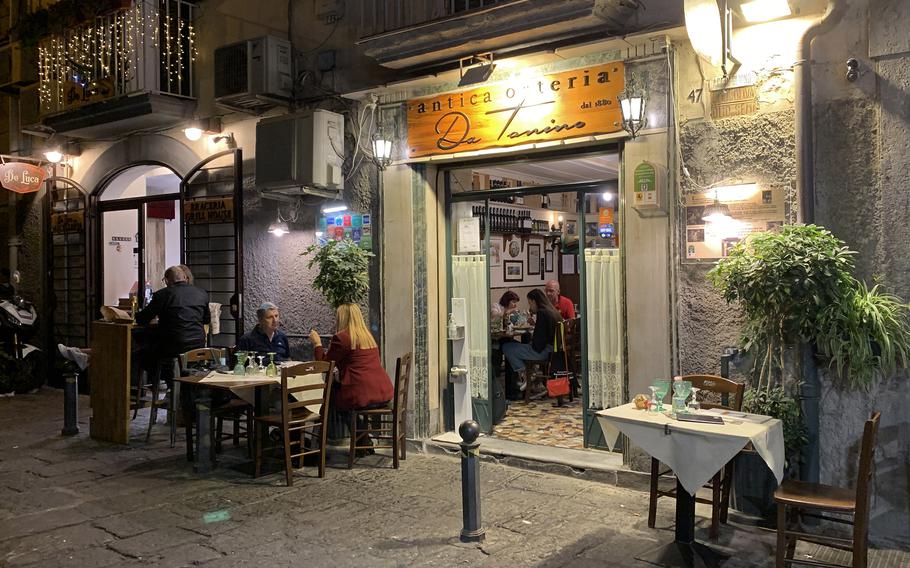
{"x": 564, "y": 105}
{"x": 20, "y": 177}
{"x": 209, "y": 210}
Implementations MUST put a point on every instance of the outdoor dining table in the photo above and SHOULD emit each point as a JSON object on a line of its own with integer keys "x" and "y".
{"x": 695, "y": 451}
{"x": 202, "y": 384}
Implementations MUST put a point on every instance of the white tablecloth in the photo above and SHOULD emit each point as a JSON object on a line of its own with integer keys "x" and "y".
{"x": 248, "y": 393}
{"x": 696, "y": 451}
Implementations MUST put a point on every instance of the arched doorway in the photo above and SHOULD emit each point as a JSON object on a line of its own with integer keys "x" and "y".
{"x": 139, "y": 232}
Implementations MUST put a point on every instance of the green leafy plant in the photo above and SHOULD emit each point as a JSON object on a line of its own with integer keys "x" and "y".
{"x": 343, "y": 271}
{"x": 865, "y": 336}
{"x": 783, "y": 281}
{"x": 776, "y": 402}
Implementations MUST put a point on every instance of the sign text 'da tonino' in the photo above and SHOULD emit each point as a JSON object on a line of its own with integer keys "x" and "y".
{"x": 581, "y": 102}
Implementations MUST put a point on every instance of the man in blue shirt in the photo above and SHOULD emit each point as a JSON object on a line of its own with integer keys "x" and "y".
{"x": 266, "y": 337}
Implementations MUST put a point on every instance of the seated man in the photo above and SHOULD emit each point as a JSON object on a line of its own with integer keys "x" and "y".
{"x": 563, "y": 305}
{"x": 266, "y": 338}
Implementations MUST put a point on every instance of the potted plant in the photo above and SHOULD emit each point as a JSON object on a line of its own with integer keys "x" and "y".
{"x": 797, "y": 292}
{"x": 343, "y": 271}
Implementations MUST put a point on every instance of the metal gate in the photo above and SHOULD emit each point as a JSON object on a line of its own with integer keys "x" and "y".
{"x": 68, "y": 271}
{"x": 212, "y": 234}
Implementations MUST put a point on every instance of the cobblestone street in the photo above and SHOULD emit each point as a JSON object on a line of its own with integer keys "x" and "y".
{"x": 73, "y": 502}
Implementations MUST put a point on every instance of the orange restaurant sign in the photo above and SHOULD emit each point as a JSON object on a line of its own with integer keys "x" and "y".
{"x": 21, "y": 177}
{"x": 581, "y": 102}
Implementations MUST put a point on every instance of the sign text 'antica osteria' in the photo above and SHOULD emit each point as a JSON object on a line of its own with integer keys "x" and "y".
{"x": 581, "y": 102}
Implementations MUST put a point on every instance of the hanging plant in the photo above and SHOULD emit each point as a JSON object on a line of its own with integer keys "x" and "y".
{"x": 343, "y": 271}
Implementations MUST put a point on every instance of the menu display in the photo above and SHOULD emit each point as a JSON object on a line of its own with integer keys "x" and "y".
{"x": 357, "y": 227}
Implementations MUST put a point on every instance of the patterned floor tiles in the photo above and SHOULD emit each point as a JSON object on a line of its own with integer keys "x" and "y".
{"x": 539, "y": 422}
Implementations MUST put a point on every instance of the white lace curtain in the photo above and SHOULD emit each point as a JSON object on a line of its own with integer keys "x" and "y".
{"x": 604, "y": 327}
{"x": 470, "y": 282}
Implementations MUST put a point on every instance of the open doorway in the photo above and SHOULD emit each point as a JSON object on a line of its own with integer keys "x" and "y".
{"x": 140, "y": 228}
{"x": 550, "y": 227}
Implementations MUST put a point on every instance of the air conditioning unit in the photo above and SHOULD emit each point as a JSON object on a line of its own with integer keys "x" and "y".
{"x": 253, "y": 75}
{"x": 300, "y": 153}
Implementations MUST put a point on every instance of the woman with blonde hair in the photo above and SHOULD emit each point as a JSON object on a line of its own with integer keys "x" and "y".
{"x": 363, "y": 382}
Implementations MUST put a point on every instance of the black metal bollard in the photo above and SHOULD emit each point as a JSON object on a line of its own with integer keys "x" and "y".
{"x": 470, "y": 482}
{"x": 70, "y": 404}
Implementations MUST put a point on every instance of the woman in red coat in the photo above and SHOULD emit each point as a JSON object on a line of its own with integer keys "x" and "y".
{"x": 363, "y": 381}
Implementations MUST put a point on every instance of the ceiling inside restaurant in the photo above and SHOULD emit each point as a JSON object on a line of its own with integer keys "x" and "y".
{"x": 547, "y": 172}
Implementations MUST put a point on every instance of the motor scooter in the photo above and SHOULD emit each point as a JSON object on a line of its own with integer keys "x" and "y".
{"x": 25, "y": 363}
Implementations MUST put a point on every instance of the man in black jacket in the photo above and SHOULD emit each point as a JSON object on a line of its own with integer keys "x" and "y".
{"x": 182, "y": 311}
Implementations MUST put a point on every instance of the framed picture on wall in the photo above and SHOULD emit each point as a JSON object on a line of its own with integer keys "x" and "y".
{"x": 495, "y": 251}
{"x": 533, "y": 258}
{"x": 512, "y": 271}
{"x": 548, "y": 260}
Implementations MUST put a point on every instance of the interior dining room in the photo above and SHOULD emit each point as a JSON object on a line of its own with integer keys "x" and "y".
{"x": 530, "y": 237}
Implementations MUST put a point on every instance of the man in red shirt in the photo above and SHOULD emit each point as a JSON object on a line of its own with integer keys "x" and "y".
{"x": 563, "y": 305}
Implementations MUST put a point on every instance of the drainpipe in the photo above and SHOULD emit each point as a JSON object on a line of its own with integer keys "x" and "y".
{"x": 810, "y": 389}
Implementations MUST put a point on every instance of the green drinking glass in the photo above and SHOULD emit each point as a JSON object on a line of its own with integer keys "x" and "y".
{"x": 663, "y": 387}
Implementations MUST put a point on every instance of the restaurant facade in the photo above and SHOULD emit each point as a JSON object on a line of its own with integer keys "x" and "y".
{"x": 511, "y": 166}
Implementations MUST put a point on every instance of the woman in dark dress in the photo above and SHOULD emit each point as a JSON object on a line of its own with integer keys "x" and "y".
{"x": 547, "y": 319}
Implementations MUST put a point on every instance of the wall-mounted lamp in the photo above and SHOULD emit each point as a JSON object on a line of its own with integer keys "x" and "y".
{"x": 765, "y": 10}
{"x": 717, "y": 212}
{"x": 279, "y": 228}
{"x": 334, "y": 207}
{"x": 382, "y": 151}
{"x": 483, "y": 67}
{"x": 53, "y": 154}
{"x": 632, "y": 105}
{"x": 200, "y": 126}
{"x": 607, "y": 196}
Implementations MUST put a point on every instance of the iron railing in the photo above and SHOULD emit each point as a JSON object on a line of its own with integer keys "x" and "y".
{"x": 149, "y": 46}
{"x": 378, "y": 16}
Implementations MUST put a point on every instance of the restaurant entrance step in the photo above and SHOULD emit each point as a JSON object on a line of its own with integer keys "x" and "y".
{"x": 595, "y": 465}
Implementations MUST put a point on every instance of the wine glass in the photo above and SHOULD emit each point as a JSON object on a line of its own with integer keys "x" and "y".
{"x": 694, "y": 405}
{"x": 261, "y": 366}
{"x": 239, "y": 368}
{"x": 653, "y": 406}
{"x": 681, "y": 390}
{"x": 251, "y": 365}
{"x": 271, "y": 370}
{"x": 663, "y": 387}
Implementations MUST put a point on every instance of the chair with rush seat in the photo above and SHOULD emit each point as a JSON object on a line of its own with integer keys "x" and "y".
{"x": 541, "y": 371}
{"x": 802, "y": 499}
{"x": 385, "y": 423}
{"x": 298, "y": 419}
{"x": 726, "y": 394}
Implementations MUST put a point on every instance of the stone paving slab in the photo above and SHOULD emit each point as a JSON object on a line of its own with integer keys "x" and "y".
{"x": 77, "y": 502}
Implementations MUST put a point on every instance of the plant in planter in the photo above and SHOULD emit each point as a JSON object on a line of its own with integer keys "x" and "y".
{"x": 797, "y": 292}
{"x": 343, "y": 271}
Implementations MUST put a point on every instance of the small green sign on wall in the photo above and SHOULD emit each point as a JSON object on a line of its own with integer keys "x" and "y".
{"x": 644, "y": 182}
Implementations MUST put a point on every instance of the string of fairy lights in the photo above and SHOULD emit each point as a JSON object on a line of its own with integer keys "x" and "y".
{"x": 110, "y": 53}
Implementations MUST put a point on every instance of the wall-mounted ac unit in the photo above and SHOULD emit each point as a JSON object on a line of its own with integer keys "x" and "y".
{"x": 301, "y": 153}
{"x": 253, "y": 75}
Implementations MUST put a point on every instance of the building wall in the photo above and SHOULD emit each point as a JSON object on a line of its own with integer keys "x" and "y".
{"x": 861, "y": 164}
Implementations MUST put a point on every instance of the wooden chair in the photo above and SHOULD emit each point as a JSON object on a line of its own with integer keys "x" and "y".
{"x": 539, "y": 371}
{"x": 236, "y": 411}
{"x": 573, "y": 352}
{"x": 385, "y": 423}
{"x": 813, "y": 499}
{"x": 729, "y": 395}
{"x": 296, "y": 419}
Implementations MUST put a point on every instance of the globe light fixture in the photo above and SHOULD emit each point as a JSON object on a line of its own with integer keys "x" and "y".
{"x": 53, "y": 154}
{"x": 192, "y": 133}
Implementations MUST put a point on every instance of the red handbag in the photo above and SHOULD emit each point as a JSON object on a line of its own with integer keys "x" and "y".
{"x": 558, "y": 385}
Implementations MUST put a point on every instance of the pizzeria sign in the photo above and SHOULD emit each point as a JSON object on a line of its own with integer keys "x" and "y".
{"x": 581, "y": 102}
{"x": 21, "y": 177}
